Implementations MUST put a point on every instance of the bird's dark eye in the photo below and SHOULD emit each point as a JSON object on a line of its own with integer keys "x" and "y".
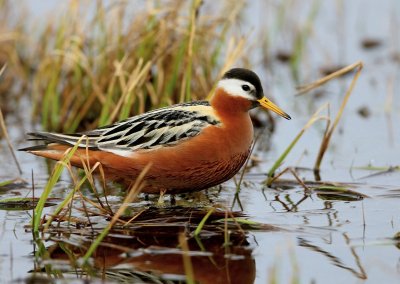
{"x": 246, "y": 88}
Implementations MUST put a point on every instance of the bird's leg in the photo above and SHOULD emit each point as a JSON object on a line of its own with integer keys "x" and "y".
{"x": 161, "y": 198}
{"x": 172, "y": 199}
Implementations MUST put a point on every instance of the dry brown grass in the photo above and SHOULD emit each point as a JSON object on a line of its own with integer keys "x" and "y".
{"x": 89, "y": 66}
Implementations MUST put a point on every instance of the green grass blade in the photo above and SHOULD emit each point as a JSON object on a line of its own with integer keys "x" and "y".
{"x": 203, "y": 221}
{"x": 187, "y": 262}
{"x": 133, "y": 192}
{"x": 314, "y": 118}
{"x": 50, "y": 185}
{"x": 64, "y": 202}
{"x": 6, "y": 182}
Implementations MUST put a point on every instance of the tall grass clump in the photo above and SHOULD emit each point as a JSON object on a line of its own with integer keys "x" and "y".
{"x": 92, "y": 65}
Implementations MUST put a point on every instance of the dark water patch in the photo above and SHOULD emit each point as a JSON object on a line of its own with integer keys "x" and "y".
{"x": 371, "y": 43}
{"x": 12, "y": 184}
{"x": 364, "y": 111}
{"x": 338, "y": 193}
{"x": 20, "y": 203}
{"x": 284, "y": 56}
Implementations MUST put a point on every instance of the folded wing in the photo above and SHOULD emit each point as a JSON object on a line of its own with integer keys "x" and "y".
{"x": 160, "y": 128}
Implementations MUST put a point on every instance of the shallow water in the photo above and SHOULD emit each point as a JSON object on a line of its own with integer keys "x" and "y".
{"x": 319, "y": 240}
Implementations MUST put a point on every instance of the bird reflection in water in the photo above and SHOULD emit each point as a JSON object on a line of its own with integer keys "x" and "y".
{"x": 153, "y": 251}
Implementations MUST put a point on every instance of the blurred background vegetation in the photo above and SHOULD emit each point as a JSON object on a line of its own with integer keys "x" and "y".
{"x": 85, "y": 69}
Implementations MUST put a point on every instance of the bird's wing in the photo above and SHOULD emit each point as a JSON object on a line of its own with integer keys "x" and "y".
{"x": 159, "y": 128}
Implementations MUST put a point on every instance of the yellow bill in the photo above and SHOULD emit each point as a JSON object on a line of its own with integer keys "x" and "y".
{"x": 265, "y": 103}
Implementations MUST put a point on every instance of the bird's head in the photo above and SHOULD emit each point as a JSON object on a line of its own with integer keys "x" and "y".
{"x": 244, "y": 84}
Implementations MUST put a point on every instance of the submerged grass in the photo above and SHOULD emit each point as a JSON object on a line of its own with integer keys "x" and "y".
{"x": 324, "y": 189}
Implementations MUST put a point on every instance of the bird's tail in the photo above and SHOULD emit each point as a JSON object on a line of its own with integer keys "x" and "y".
{"x": 49, "y": 139}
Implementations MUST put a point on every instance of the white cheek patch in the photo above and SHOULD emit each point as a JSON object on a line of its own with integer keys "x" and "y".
{"x": 234, "y": 88}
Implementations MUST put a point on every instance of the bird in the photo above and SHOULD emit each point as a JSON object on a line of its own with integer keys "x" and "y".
{"x": 188, "y": 146}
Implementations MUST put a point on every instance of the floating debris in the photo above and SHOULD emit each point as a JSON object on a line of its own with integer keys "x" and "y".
{"x": 371, "y": 43}
{"x": 364, "y": 112}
